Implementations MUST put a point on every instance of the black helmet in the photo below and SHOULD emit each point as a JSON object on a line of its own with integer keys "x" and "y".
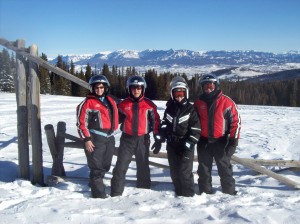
{"x": 210, "y": 78}
{"x": 136, "y": 81}
{"x": 98, "y": 79}
{"x": 179, "y": 82}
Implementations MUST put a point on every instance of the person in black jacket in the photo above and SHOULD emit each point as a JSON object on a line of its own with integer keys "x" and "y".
{"x": 180, "y": 127}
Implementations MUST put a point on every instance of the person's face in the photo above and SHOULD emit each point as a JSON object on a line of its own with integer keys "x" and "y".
{"x": 136, "y": 91}
{"x": 208, "y": 87}
{"x": 179, "y": 94}
{"x": 99, "y": 89}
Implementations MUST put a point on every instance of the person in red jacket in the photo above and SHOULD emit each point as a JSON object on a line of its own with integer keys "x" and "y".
{"x": 220, "y": 130}
{"x": 97, "y": 120}
{"x": 138, "y": 117}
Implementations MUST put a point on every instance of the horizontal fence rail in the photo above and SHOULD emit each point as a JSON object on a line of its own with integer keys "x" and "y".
{"x": 45, "y": 64}
{"x": 57, "y": 144}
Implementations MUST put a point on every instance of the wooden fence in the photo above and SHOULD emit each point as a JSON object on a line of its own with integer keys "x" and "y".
{"x": 58, "y": 143}
{"x": 27, "y": 88}
{"x": 29, "y": 123}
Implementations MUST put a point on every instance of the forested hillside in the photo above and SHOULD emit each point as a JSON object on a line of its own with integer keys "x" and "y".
{"x": 281, "y": 91}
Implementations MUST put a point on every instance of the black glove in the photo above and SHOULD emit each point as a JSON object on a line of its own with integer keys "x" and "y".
{"x": 159, "y": 138}
{"x": 156, "y": 146}
{"x": 188, "y": 145}
{"x": 231, "y": 147}
{"x": 188, "y": 149}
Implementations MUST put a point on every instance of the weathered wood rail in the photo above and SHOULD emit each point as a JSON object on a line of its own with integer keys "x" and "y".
{"x": 21, "y": 50}
{"x": 57, "y": 144}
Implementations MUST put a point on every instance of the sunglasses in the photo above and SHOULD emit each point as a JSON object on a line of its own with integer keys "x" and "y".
{"x": 178, "y": 94}
{"x": 208, "y": 84}
{"x": 99, "y": 87}
{"x": 136, "y": 87}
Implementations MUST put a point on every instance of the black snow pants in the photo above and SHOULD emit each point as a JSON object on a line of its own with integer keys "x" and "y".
{"x": 99, "y": 162}
{"x": 181, "y": 169}
{"x": 207, "y": 151}
{"x": 129, "y": 146}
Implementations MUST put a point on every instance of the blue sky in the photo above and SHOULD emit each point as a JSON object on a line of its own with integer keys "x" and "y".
{"x": 91, "y": 26}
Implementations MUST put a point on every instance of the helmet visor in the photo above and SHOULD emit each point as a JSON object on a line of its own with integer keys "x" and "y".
{"x": 178, "y": 92}
{"x": 208, "y": 79}
{"x": 209, "y": 83}
{"x": 133, "y": 87}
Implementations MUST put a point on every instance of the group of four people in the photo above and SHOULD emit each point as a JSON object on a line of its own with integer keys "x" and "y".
{"x": 212, "y": 123}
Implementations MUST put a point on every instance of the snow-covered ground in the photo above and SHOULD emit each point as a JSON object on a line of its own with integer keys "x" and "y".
{"x": 267, "y": 133}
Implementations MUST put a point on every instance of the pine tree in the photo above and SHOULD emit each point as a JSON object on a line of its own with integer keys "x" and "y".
{"x": 75, "y": 88}
{"x": 88, "y": 72}
{"x": 13, "y": 66}
{"x": 59, "y": 85}
{"x": 82, "y": 91}
{"x": 114, "y": 70}
{"x": 151, "y": 80}
{"x": 55, "y": 80}
{"x": 163, "y": 86}
{"x": 6, "y": 72}
{"x": 44, "y": 77}
{"x": 293, "y": 94}
{"x": 105, "y": 70}
{"x": 66, "y": 82}
{"x": 120, "y": 86}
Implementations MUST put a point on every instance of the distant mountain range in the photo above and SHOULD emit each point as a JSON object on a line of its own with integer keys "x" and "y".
{"x": 233, "y": 64}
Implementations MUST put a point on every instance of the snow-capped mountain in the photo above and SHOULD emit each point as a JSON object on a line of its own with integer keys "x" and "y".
{"x": 238, "y": 63}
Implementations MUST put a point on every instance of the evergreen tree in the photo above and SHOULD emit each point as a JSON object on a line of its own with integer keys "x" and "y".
{"x": 122, "y": 86}
{"x": 59, "y": 85}
{"x": 66, "y": 82}
{"x": 55, "y": 80}
{"x": 83, "y": 91}
{"x": 163, "y": 86}
{"x": 114, "y": 70}
{"x": 88, "y": 72}
{"x": 130, "y": 71}
{"x": 13, "y": 66}
{"x": 194, "y": 87}
{"x": 294, "y": 90}
{"x": 75, "y": 88}
{"x": 6, "y": 72}
{"x": 151, "y": 80}
{"x": 44, "y": 77}
{"x": 105, "y": 70}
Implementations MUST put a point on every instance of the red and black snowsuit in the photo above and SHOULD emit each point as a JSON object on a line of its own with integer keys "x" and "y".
{"x": 179, "y": 125}
{"x": 138, "y": 117}
{"x": 220, "y": 128}
{"x": 96, "y": 121}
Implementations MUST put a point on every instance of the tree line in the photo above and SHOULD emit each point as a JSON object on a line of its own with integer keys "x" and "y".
{"x": 271, "y": 93}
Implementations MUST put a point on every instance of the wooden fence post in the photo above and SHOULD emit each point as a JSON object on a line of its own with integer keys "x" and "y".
{"x": 56, "y": 146}
{"x": 22, "y": 118}
{"x": 49, "y": 130}
{"x": 60, "y": 142}
{"x": 35, "y": 127}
